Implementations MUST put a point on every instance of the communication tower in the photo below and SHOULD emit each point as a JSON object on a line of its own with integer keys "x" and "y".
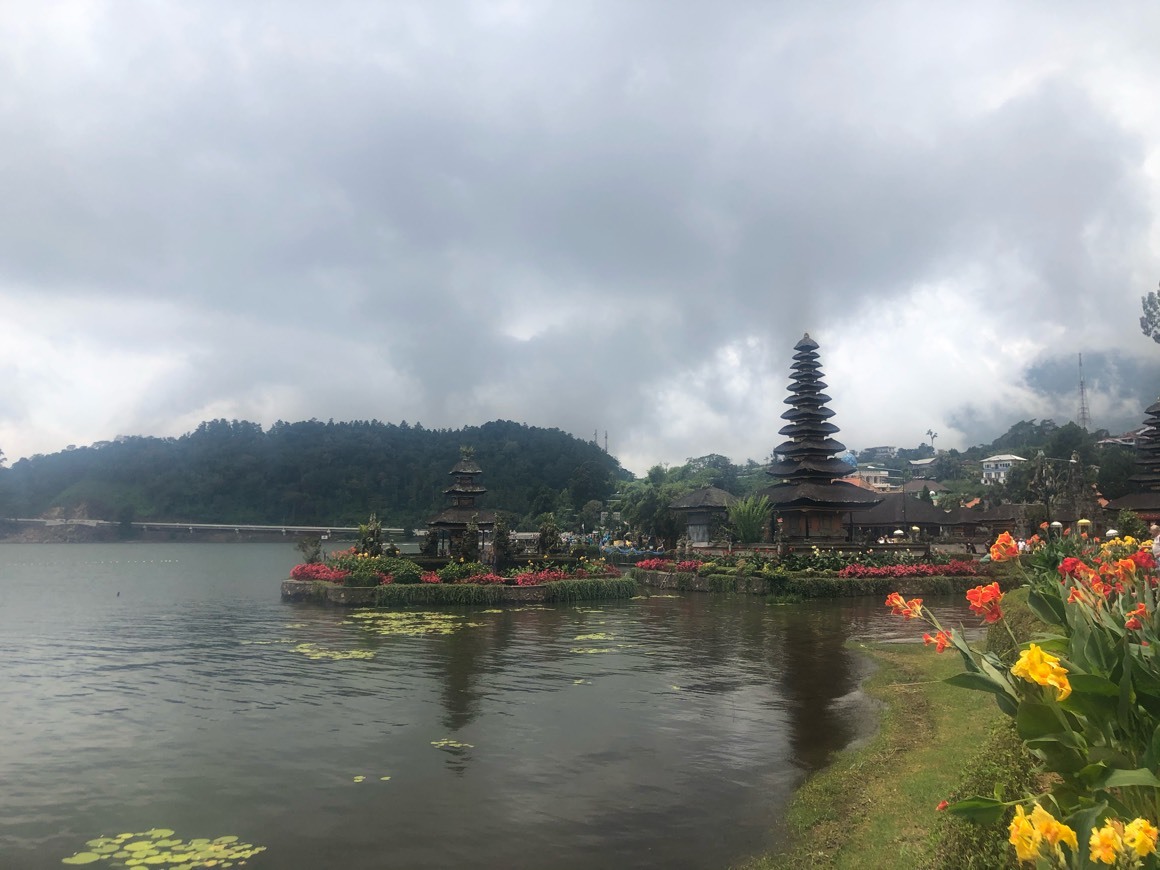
{"x": 1085, "y": 419}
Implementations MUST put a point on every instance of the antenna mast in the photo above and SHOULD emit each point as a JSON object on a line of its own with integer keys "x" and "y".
{"x": 1085, "y": 419}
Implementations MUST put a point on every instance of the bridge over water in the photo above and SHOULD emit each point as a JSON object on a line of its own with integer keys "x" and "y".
{"x": 192, "y": 528}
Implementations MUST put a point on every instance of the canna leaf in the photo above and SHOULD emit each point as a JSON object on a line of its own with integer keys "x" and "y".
{"x": 985, "y": 811}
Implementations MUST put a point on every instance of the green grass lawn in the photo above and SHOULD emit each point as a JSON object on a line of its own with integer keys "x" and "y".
{"x": 874, "y": 807}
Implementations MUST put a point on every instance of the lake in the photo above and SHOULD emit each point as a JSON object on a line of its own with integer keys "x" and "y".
{"x": 153, "y": 686}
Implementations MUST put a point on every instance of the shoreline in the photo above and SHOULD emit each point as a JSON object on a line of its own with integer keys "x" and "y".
{"x": 874, "y": 805}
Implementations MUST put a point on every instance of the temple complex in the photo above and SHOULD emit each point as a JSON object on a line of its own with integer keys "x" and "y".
{"x": 1145, "y": 500}
{"x": 810, "y": 500}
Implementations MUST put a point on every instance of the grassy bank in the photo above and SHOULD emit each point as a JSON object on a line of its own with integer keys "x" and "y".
{"x": 874, "y": 807}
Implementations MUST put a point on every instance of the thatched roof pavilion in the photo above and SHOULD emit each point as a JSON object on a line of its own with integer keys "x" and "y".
{"x": 701, "y": 507}
{"x": 810, "y": 499}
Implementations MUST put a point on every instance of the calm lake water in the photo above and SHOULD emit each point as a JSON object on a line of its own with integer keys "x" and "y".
{"x": 167, "y": 686}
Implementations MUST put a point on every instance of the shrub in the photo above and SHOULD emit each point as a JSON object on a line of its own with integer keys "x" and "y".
{"x": 455, "y": 571}
{"x": 317, "y": 571}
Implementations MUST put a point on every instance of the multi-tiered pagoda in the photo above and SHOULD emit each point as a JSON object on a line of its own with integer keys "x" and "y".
{"x": 1145, "y": 500}
{"x": 809, "y": 499}
{"x": 453, "y": 522}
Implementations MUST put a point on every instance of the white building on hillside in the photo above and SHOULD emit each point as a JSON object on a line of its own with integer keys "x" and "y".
{"x": 995, "y": 468}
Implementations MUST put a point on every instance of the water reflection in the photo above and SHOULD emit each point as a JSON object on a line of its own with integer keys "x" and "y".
{"x": 666, "y": 731}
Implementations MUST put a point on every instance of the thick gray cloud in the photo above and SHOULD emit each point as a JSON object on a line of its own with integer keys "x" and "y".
{"x": 592, "y": 216}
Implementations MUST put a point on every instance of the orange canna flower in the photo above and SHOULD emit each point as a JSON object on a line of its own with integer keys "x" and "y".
{"x": 941, "y": 641}
{"x": 985, "y": 602}
{"x": 1004, "y": 548}
{"x": 899, "y": 606}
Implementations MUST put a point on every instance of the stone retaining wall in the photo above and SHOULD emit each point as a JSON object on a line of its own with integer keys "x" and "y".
{"x": 364, "y": 596}
{"x": 803, "y": 586}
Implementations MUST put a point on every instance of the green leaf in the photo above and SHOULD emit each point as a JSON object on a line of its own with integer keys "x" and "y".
{"x": 978, "y": 681}
{"x": 1060, "y": 758}
{"x": 1092, "y": 684}
{"x": 1153, "y": 750}
{"x": 1141, "y": 776}
{"x": 1048, "y": 608}
{"x": 985, "y": 811}
{"x": 1036, "y": 720}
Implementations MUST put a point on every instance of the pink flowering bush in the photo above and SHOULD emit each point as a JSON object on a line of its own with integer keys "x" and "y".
{"x": 655, "y": 564}
{"x": 953, "y": 568}
{"x": 318, "y": 571}
{"x": 689, "y": 566}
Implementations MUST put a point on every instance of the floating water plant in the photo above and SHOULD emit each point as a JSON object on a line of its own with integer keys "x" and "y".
{"x": 448, "y": 743}
{"x": 407, "y": 623}
{"x": 588, "y": 651}
{"x": 600, "y": 635}
{"x": 314, "y": 651}
{"x": 158, "y": 848}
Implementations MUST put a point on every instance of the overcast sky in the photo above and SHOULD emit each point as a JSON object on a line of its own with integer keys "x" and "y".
{"x": 594, "y": 216}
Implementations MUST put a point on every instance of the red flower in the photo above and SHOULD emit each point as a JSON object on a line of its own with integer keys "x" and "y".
{"x": 1133, "y": 624}
{"x": 942, "y": 805}
{"x": 985, "y": 602}
{"x": 1144, "y": 560}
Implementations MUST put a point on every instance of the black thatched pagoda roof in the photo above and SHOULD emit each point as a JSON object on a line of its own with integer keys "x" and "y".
{"x": 833, "y": 495}
{"x": 459, "y": 517}
{"x": 1145, "y": 500}
{"x": 807, "y": 466}
{"x": 705, "y": 497}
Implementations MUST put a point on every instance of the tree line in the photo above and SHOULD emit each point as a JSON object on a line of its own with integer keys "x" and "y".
{"x": 311, "y": 473}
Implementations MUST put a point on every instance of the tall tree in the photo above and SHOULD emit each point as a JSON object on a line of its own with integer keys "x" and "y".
{"x": 1150, "y": 321}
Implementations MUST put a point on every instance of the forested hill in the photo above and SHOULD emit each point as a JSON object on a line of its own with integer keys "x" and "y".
{"x": 309, "y": 473}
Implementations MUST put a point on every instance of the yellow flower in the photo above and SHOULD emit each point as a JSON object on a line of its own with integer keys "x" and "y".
{"x": 1024, "y": 837}
{"x": 1036, "y": 666}
{"x": 1105, "y": 844}
{"x": 1052, "y": 830}
{"x": 1140, "y": 836}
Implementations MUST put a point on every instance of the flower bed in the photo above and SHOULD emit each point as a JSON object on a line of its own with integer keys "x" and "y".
{"x": 1085, "y": 698}
{"x": 953, "y": 568}
{"x": 349, "y": 568}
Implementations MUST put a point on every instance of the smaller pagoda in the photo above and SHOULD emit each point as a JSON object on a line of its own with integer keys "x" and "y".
{"x": 810, "y": 499}
{"x": 453, "y": 522}
{"x": 703, "y": 509}
{"x": 1145, "y": 499}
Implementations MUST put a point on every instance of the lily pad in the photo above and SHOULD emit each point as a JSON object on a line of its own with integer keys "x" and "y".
{"x": 157, "y": 848}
